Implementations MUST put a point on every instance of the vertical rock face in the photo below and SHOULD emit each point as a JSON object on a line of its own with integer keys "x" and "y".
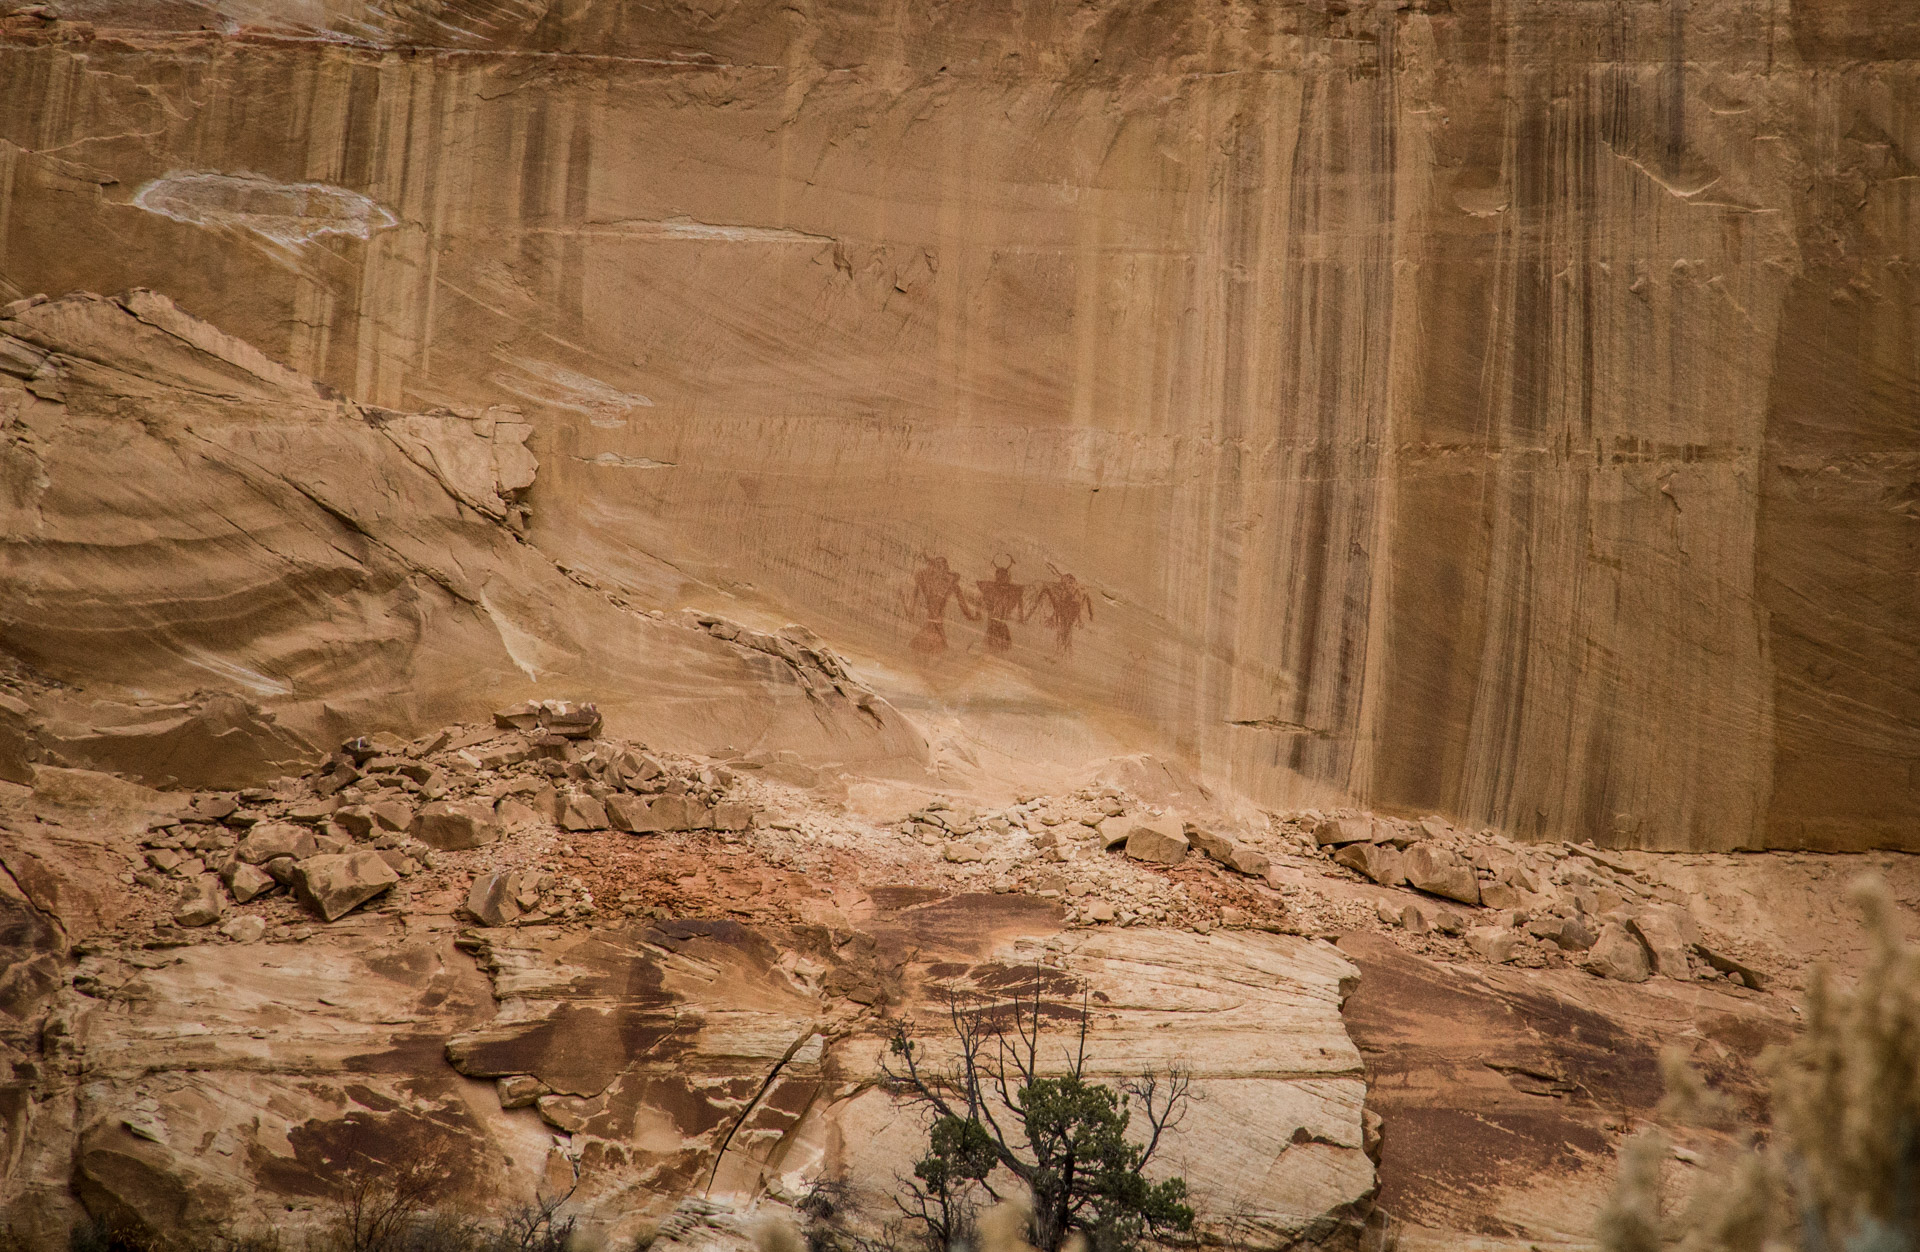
{"x": 1499, "y": 409}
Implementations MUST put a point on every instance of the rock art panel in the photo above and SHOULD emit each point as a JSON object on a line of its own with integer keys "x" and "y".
{"x": 999, "y": 603}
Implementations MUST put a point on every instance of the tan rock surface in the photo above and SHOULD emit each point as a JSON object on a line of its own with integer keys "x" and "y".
{"x": 317, "y": 564}
{"x": 1259, "y": 1031}
{"x": 1505, "y": 1092}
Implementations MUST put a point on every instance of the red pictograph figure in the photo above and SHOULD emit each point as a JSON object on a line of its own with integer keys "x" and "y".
{"x": 1000, "y": 599}
{"x": 1065, "y": 601}
{"x": 933, "y": 587}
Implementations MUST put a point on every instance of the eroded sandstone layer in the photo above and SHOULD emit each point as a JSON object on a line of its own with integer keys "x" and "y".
{"x": 214, "y": 567}
{"x": 1499, "y": 409}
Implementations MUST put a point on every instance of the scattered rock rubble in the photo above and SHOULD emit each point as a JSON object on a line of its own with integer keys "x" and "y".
{"x": 1527, "y": 904}
{"x": 560, "y": 859}
{"x": 382, "y": 812}
{"x": 531, "y": 820}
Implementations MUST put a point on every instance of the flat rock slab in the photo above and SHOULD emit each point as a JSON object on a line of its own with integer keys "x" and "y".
{"x": 1504, "y": 1091}
{"x": 1254, "y": 1018}
{"x": 223, "y": 1077}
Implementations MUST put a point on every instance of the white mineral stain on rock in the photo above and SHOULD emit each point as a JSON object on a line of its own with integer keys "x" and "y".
{"x": 290, "y": 214}
{"x": 616, "y": 461}
{"x": 253, "y": 680}
{"x": 543, "y": 382}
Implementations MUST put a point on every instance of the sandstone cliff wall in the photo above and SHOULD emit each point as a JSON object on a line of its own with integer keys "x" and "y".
{"x": 1499, "y": 408}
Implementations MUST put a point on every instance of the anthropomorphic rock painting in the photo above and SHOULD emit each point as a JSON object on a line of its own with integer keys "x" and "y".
{"x": 1000, "y": 599}
{"x": 933, "y": 587}
{"x": 1066, "y": 603}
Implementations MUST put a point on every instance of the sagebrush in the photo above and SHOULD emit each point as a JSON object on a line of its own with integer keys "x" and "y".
{"x": 1840, "y": 1169}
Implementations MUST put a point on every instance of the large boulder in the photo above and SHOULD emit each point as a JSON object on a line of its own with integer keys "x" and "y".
{"x": 493, "y": 900}
{"x": 1618, "y": 955}
{"x": 662, "y": 813}
{"x": 333, "y": 886}
{"x": 583, "y": 812}
{"x": 1668, "y": 934}
{"x": 1423, "y": 916}
{"x": 1519, "y": 876}
{"x": 1229, "y": 852}
{"x": 247, "y": 882}
{"x": 202, "y": 904}
{"x": 393, "y": 815}
{"x": 1571, "y": 934}
{"x": 629, "y": 813}
{"x": 1335, "y": 831}
{"x": 247, "y": 928}
{"x": 1437, "y": 871}
{"x": 575, "y": 721}
{"x": 559, "y": 717}
{"x": 1377, "y": 861}
{"x": 271, "y": 840}
{"x": 1214, "y": 847}
{"x": 514, "y": 814}
{"x": 629, "y": 769}
{"x": 1496, "y": 944}
{"x": 1248, "y": 861}
{"x": 455, "y": 825}
{"x": 1162, "y": 841}
{"x": 1501, "y": 895}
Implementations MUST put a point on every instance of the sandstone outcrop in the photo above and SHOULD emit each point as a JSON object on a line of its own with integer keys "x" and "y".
{"x": 695, "y": 1013}
{"x": 328, "y": 564}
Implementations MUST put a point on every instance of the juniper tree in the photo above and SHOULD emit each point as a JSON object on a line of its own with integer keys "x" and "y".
{"x": 1064, "y": 1137}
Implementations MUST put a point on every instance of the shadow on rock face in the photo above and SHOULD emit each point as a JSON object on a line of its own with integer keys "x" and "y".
{"x": 1505, "y": 1095}
{"x": 212, "y": 741}
{"x": 325, "y": 1151}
